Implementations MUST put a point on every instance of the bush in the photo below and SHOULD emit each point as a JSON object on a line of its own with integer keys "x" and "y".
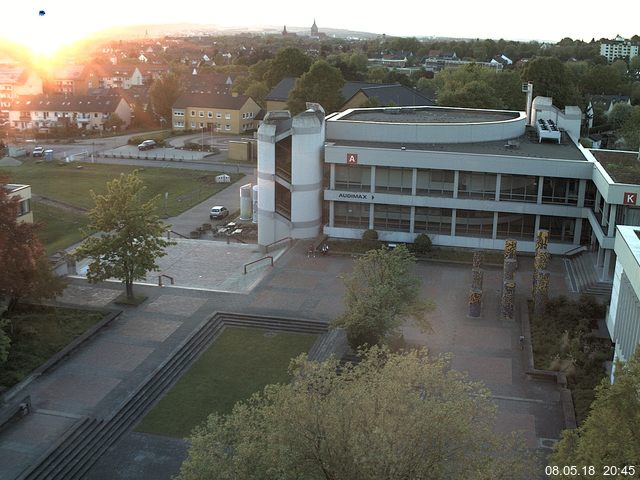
{"x": 370, "y": 239}
{"x": 159, "y": 137}
{"x": 422, "y": 244}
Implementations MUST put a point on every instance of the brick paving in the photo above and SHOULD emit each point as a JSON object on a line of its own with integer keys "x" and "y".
{"x": 104, "y": 371}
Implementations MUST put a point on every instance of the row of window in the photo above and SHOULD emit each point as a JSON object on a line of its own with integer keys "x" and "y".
{"x": 218, "y": 126}
{"x": 441, "y": 183}
{"x": 473, "y": 223}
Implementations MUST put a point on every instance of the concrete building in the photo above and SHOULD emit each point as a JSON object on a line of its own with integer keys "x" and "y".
{"x": 619, "y": 48}
{"x": 14, "y": 83}
{"x": 466, "y": 177}
{"x": 623, "y": 317}
{"x": 210, "y": 111}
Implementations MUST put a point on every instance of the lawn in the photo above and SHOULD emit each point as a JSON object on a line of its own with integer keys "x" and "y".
{"x": 38, "y": 333}
{"x": 70, "y": 184}
{"x": 60, "y": 228}
{"x": 239, "y": 363}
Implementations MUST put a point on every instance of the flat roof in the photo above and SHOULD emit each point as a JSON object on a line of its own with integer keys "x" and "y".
{"x": 523, "y": 146}
{"x": 428, "y": 115}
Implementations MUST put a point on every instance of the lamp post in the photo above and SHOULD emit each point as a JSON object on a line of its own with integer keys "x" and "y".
{"x": 202, "y": 141}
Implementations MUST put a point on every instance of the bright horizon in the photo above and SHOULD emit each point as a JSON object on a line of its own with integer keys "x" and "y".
{"x": 72, "y": 20}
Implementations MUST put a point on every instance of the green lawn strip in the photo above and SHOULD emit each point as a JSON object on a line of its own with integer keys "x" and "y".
{"x": 38, "y": 333}
{"x": 60, "y": 228}
{"x": 239, "y": 363}
{"x": 67, "y": 183}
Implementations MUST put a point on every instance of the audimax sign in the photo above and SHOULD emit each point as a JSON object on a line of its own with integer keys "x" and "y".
{"x": 356, "y": 196}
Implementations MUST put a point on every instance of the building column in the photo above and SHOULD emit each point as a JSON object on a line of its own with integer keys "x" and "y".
{"x": 456, "y": 182}
{"x": 605, "y": 215}
{"x": 412, "y": 219}
{"x": 414, "y": 183}
{"x": 453, "y": 221}
{"x": 596, "y": 206}
{"x": 332, "y": 179}
{"x": 604, "y": 276}
{"x": 577, "y": 232}
{"x": 498, "y": 182}
{"x": 371, "y": 213}
{"x": 373, "y": 179}
{"x": 612, "y": 220}
{"x": 331, "y": 213}
{"x": 540, "y": 186}
{"x": 582, "y": 191}
{"x": 494, "y": 232}
{"x": 536, "y": 225}
{"x": 599, "y": 257}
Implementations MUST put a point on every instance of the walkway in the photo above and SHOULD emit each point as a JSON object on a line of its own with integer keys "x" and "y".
{"x": 99, "y": 377}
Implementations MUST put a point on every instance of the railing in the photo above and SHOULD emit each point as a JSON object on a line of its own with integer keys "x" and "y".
{"x": 573, "y": 251}
{"x": 167, "y": 276}
{"x": 169, "y": 232}
{"x": 266, "y": 247}
{"x": 256, "y": 261}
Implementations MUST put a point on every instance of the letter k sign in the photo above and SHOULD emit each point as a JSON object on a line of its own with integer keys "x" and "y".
{"x": 630, "y": 198}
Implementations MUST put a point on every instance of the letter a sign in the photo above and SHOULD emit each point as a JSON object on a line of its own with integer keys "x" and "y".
{"x": 630, "y": 198}
{"x": 352, "y": 158}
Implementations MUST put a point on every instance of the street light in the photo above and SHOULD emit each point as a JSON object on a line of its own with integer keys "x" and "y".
{"x": 202, "y": 141}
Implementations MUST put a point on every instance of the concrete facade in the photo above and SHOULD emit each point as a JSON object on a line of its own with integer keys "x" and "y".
{"x": 23, "y": 193}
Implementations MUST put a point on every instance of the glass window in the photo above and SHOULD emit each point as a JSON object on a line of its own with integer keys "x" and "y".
{"x": 227, "y": 116}
{"x": 516, "y": 225}
{"x": 437, "y": 183}
{"x": 201, "y": 114}
{"x": 218, "y": 115}
{"x": 25, "y": 206}
{"x": 392, "y": 179}
{"x": 193, "y": 113}
{"x": 477, "y": 185}
{"x": 283, "y": 201}
{"x": 351, "y": 214}
{"x": 560, "y": 190}
{"x": 560, "y": 228}
{"x": 474, "y": 223}
{"x": 433, "y": 221}
{"x": 355, "y": 177}
{"x": 209, "y": 114}
{"x": 590, "y": 194}
{"x": 519, "y": 188}
{"x": 227, "y": 127}
{"x": 391, "y": 217}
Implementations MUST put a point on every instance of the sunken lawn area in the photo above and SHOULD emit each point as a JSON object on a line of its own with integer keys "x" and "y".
{"x": 239, "y": 363}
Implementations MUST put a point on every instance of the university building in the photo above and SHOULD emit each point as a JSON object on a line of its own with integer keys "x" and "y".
{"x": 466, "y": 177}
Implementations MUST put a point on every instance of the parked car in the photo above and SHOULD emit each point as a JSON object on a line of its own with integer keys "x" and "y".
{"x": 38, "y": 151}
{"x": 218, "y": 212}
{"x": 147, "y": 145}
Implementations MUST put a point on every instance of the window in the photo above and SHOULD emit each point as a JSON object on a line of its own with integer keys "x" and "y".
{"x": 227, "y": 116}
{"x": 561, "y": 229}
{"x": 356, "y": 178}
{"x": 201, "y": 125}
{"x": 193, "y": 113}
{"x": 560, "y": 190}
{"x": 351, "y": 214}
{"x": 477, "y": 185}
{"x": 178, "y": 124}
{"x": 392, "y": 179}
{"x": 95, "y": 115}
{"x": 209, "y": 114}
{"x": 218, "y": 115}
{"x": 391, "y": 217}
{"x": 516, "y": 225}
{"x": 244, "y": 115}
{"x": 519, "y": 188}
{"x": 250, "y": 114}
{"x": 227, "y": 127}
{"x": 433, "y": 220}
{"x": 25, "y": 206}
{"x": 201, "y": 114}
{"x": 283, "y": 201}
{"x": 474, "y": 223}
{"x": 193, "y": 124}
{"x": 436, "y": 183}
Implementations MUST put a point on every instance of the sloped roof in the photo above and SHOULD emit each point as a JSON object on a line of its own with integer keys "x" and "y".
{"x": 72, "y": 72}
{"x": 210, "y": 100}
{"x": 62, "y": 103}
{"x": 281, "y": 91}
{"x": 14, "y": 75}
{"x": 399, "y": 95}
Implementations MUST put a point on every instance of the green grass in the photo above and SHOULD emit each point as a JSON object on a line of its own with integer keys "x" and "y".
{"x": 67, "y": 183}
{"x": 60, "y": 228}
{"x": 239, "y": 363}
{"x": 38, "y": 333}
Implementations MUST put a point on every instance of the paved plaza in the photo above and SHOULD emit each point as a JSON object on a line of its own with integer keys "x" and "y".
{"x": 103, "y": 372}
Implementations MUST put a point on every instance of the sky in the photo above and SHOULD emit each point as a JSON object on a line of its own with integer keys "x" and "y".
{"x": 65, "y": 21}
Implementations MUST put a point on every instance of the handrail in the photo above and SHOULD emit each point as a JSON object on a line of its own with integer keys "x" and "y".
{"x": 160, "y": 279}
{"x": 256, "y": 261}
{"x": 266, "y": 247}
{"x": 579, "y": 248}
{"x": 169, "y": 232}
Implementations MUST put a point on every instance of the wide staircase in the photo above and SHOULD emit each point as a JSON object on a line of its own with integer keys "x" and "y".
{"x": 584, "y": 277}
{"x": 89, "y": 438}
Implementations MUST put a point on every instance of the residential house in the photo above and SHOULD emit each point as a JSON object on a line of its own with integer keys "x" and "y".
{"x": 619, "y": 48}
{"x": 209, "y": 82}
{"x": 607, "y": 102}
{"x": 210, "y": 111}
{"x": 389, "y": 60}
{"x": 16, "y": 82}
{"x": 23, "y": 192}
{"x": 501, "y": 59}
{"x": 68, "y": 80}
{"x": 114, "y": 76}
{"x": 88, "y": 112}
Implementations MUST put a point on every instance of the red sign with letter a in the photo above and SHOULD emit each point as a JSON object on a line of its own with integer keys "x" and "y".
{"x": 630, "y": 198}
{"x": 352, "y": 158}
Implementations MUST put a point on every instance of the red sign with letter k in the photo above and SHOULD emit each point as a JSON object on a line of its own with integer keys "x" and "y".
{"x": 630, "y": 198}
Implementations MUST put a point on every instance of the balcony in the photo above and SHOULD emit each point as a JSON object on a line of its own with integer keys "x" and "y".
{"x": 83, "y": 119}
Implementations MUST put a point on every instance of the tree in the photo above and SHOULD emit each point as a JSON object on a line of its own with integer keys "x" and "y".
{"x": 392, "y": 416}
{"x": 550, "y": 79}
{"x": 380, "y": 292}
{"x": 321, "y": 84}
{"x": 289, "y": 62}
{"x": 5, "y": 341}
{"x": 611, "y": 433}
{"x": 631, "y": 129}
{"x": 130, "y": 237}
{"x": 24, "y": 268}
{"x": 163, "y": 94}
{"x": 114, "y": 120}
